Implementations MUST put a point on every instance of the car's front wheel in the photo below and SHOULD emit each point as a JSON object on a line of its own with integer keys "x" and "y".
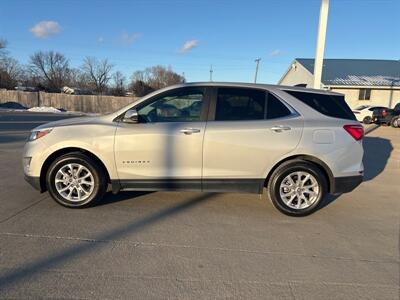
{"x": 367, "y": 120}
{"x": 297, "y": 188}
{"x": 76, "y": 180}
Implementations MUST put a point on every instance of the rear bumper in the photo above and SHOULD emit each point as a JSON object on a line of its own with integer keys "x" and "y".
{"x": 380, "y": 120}
{"x": 345, "y": 184}
{"x": 33, "y": 181}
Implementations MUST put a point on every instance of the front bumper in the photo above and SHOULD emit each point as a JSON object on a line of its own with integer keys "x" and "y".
{"x": 345, "y": 184}
{"x": 33, "y": 181}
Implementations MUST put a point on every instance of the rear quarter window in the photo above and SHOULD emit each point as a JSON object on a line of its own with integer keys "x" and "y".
{"x": 328, "y": 105}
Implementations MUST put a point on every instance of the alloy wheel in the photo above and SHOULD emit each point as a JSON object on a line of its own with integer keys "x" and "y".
{"x": 74, "y": 182}
{"x": 299, "y": 190}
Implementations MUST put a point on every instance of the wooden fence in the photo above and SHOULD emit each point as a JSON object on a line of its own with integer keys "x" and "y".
{"x": 83, "y": 103}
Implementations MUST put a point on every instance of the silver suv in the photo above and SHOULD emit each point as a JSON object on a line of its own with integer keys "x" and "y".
{"x": 217, "y": 137}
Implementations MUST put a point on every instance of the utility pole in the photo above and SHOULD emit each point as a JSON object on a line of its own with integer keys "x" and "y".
{"x": 211, "y": 73}
{"x": 257, "y": 60}
{"x": 319, "y": 53}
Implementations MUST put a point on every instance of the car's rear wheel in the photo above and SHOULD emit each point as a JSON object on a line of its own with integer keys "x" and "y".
{"x": 367, "y": 120}
{"x": 395, "y": 122}
{"x": 76, "y": 180}
{"x": 297, "y": 188}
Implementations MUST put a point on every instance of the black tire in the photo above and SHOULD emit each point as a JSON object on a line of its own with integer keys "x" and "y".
{"x": 367, "y": 120}
{"x": 99, "y": 179}
{"x": 280, "y": 174}
{"x": 395, "y": 122}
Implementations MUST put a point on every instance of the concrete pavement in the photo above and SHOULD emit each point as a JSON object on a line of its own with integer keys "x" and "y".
{"x": 198, "y": 246}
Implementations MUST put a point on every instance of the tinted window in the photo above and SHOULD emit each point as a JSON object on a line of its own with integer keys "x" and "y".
{"x": 375, "y": 107}
{"x": 329, "y": 105}
{"x": 182, "y": 106}
{"x": 275, "y": 108}
{"x": 235, "y": 104}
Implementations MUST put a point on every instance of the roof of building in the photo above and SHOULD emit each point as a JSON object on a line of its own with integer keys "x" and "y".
{"x": 357, "y": 72}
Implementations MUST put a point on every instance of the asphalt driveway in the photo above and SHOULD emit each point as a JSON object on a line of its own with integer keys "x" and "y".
{"x": 195, "y": 245}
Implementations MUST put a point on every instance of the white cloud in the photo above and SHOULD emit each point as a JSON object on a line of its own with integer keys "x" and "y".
{"x": 187, "y": 46}
{"x": 100, "y": 39}
{"x": 129, "y": 39}
{"x": 276, "y": 52}
{"x": 45, "y": 29}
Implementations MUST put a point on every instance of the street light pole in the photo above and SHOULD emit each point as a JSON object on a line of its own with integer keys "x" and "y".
{"x": 257, "y": 60}
{"x": 319, "y": 53}
{"x": 211, "y": 73}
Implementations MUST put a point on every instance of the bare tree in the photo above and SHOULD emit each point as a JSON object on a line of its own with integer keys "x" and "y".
{"x": 3, "y": 45}
{"x": 98, "y": 73}
{"x": 140, "y": 88}
{"x": 118, "y": 88}
{"x": 51, "y": 68}
{"x": 10, "y": 69}
{"x": 154, "y": 78}
{"x": 10, "y": 72}
{"x": 160, "y": 77}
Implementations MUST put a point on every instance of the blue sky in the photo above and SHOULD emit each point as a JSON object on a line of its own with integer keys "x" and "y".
{"x": 227, "y": 34}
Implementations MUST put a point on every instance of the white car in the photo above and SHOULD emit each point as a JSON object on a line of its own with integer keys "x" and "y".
{"x": 217, "y": 137}
{"x": 363, "y": 113}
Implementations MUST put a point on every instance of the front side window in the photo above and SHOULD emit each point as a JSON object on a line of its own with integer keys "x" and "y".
{"x": 235, "y": 104}
{"x": 181, "y": 106}
{"x": 364, "y": 94}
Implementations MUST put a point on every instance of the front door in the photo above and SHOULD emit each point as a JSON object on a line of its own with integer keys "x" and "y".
{"x": 164, "y": 149}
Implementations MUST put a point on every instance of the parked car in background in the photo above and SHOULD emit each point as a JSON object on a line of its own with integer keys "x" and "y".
{"x": 26, "y": 88}
{"x": 364, "y": 113}
{"x": 75, "y": 91}
{"x": 300, "y": 144}
{"x": 387, "y": 116}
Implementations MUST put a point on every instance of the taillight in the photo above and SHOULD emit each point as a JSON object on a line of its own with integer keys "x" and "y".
{"x": 356, "y": 131}
{"x": 384, "y": 113}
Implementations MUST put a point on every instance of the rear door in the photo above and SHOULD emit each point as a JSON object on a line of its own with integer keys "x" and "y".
{"x": 247, "y": 132}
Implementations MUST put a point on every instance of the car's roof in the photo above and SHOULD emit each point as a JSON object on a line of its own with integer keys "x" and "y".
{"x": 253, "y": 85}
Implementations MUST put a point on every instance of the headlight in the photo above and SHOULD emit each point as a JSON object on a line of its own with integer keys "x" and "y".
{"x": 38, "y": 134}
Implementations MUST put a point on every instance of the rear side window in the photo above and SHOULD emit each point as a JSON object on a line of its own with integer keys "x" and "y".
{"x": 234, "y": 104}
{"x": 329, "y": 105}
{"x": 275, "y": 108}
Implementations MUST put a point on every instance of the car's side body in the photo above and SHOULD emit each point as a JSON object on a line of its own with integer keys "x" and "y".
{"x": 205, "y": 155}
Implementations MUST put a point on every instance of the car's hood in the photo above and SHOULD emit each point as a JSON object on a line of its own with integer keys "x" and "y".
{"x": 70, "y": 121}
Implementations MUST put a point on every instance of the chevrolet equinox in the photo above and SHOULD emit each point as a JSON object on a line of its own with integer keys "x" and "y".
{"x": 298, "y": 143}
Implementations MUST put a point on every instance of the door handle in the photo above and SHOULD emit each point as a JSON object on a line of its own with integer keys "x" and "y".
{"x": 280, "y": 128}
{"x": 190, "y": 130}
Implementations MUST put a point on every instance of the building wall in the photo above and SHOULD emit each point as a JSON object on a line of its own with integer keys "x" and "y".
{"x": 379, "y": 96}
{"x": 297, "y": 74}
{"x": 83, "y": 103}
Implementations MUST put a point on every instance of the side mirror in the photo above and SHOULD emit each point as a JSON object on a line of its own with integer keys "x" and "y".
{"x": 131, "y": 116}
